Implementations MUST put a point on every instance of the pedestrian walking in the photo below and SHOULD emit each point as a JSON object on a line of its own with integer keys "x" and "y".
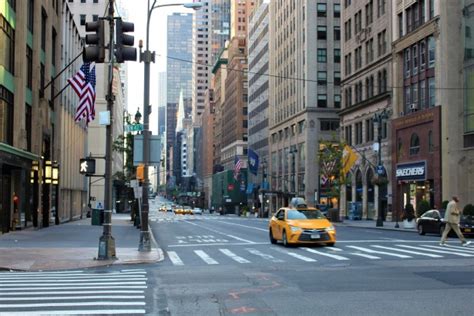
{"x": 452, "y": 217}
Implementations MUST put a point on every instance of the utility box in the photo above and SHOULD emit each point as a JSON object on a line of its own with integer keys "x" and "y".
{"x": 97, "y": 218}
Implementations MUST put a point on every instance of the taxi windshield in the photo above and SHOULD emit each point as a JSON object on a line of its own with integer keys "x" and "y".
{"x": 305, "y": 214}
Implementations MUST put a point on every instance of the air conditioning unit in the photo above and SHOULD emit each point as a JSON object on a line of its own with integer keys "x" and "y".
{"x": 413, "y": 107}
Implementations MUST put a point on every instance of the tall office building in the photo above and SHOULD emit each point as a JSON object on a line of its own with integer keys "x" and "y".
{"x": 200, "y": 58}
{"x": 258, "y": 81}
{"x": 303, "y": 97}
{"x": 367, "y": 67}
{"x": 178, "y": 75}
{"x": 219, "y": 31}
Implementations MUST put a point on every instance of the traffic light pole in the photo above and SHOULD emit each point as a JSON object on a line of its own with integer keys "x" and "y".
{"x": 106, "y": 241}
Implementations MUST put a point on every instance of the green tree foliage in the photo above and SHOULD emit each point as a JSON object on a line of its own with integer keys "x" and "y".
{"x": 330, "y": 165}
{"x": 124, "y": 145}
{"x": 422, "y": 207}
{"x": 468, "y": 210}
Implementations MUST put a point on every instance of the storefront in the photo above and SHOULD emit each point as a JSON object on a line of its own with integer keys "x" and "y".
{"x": 416, "y": 157}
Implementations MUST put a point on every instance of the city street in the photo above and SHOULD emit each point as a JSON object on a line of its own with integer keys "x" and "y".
{"x": 225, "y": 265}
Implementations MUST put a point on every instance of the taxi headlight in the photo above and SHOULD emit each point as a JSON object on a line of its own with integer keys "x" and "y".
{"x": 330, "y": 228}
{"x": 295, "y": 229}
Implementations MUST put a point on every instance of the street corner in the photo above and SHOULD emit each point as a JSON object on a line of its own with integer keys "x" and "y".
{"x": 134, "y": 256}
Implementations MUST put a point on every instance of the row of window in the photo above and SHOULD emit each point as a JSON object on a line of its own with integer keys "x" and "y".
{"x": 366, "y": 125}
{"x": 370, "y": 88}
{"x": 369, "y": 18}
{"x": 322, "y": 32}
{"x": 323, "y": 77}
{"x": 415, "y": 16}
{"x": 323, "y": 101}
{"x": 322, "y": 10}
{"x": 415, "y": 146}
{"x": 415, "y": 57}
{"x": 285, "y": 133}
{"x": 323, "y": 55}
{"x": 369, "y": 53}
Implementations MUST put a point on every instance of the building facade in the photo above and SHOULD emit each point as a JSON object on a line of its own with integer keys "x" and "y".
{"x": 219, "y": 28}
{"x": 303, "y": 96}
{"x": 366, "y": 72}
{"x": 432, "y": 132}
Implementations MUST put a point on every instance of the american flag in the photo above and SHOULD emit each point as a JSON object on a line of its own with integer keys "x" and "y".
{"x": 83, "y": 83}
{"x": 237, "y": 166}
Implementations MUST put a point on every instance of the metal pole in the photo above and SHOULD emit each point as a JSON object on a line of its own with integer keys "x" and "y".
{"x": 379, "y": 163}
{"x": 106, "y": 241}
{"x": 145, "y": 240}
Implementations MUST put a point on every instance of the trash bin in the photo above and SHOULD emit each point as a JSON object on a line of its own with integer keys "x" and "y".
{"x": 97, "y": 217}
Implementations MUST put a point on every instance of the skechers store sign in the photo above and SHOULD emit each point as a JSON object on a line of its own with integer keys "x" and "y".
{"x": 411, "y": 171}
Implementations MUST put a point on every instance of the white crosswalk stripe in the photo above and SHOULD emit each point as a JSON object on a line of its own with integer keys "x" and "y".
{"x": 438, "y": 251}
{"x": 233, "y": 256}
{"x": 263, "y": 255}
{"x": 205, "y": 257}
{"x": 364, "y": 255}
{"x": 295, "y": 255}
{"x": 325, "y": 254}
{"x": 454, "y": 248}
{"x": 379, "y": 252}
{"x": 175, "y": 258}
{"x": 73, "y": 292}
{"x": 408, "y": 251}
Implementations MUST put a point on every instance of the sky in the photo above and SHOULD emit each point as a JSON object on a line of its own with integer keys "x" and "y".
{"x": 136, "y": 12}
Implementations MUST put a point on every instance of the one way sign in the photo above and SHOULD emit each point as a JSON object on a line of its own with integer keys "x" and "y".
{"x": 87, "y": 166}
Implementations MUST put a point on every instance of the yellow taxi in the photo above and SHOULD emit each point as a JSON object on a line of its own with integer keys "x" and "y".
{"x": 300, "y": 224}
{"x": 179, "y": 210}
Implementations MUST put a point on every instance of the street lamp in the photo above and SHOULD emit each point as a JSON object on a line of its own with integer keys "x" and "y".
{"x": 381, "y": 173}
{"x": 263, "y": 185}
{"x": 147, "y": 57}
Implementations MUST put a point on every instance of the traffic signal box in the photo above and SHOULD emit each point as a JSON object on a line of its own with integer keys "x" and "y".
{"x": 141, "y": 172}
{"x": 124, "y": 49}
{"x": 96, "y": 51}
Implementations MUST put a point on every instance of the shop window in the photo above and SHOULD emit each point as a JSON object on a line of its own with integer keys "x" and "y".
{"x": 430, "y": 142}
{"x": 414, "y": 144}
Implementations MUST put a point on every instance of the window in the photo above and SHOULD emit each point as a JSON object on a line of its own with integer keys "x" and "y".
{"x": 83, "y": 19}
{"x": 358, "y": 22}
{"x": 53, "y": 47}
{"x": 347, "y": 30}
{"x": 406, "y": 66}
{"x": 337, "y": 101}
{"x": 337, "y": 78}
{"x": 83, "y": 1}
{"x": 422, "y": 55}
{"x": 6, "y": 117}
{"x": 348, "y": 64}
{"x": 43, "y": 29}
{"x": 28, "y": 126}
{"x": 431, "y": 92}
{"x": 29, "y": 66}
{"x": 322, "y": 30}
{"x": 358, "y": 57}
{"x": 31, "y": 14}
{"x": 414, "y": 96}
{"x": 414, "y": 144}
{"x": 322, "y": 101}
{"x": 407, "y": 98}
{"x": 369, "y": 50}
{"x": 431, "y": 9}
{"x": 337, "y": 55}
{"x": 369, "y": 10}
{"x": 337, "y": 10}
{"x": 95, "y": 17}
{"x": 337, "y": 33}
{"x": 348, "y": 97}
{"x": 7, "y": 44}
{"x": 430, "y": 142}
{"x": 358, "y": 133}
{"x": 369, "y": 130}
{"x": 422, "y": 89}
{"x": 400, "y": 25}
{"x": 431, "y": 52}
{"x": 348, "y": 131}
{"x": 422, "y": 7}
{"x": 329, "y": 125}
{"x": 322, "y": 77}
{"x": 416, "y": 15}
{"x": 384, "y": 80}
{"x": 322, "y": 9}
{"x": 347, "y": 3}
{"x": 380, "y": 8}
{"x": 414, "y": 51}
{"x": 322, "y": 55}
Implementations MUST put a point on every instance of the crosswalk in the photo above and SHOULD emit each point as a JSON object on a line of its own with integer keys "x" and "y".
{"x": 73, "y": 293}
{"x": 279, "y": 254}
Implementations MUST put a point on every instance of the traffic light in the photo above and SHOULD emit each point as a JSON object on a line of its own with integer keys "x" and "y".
{"x": 141, "y": 172}
{"x": 96, "y": 51}
{"x": 123, "y": 42}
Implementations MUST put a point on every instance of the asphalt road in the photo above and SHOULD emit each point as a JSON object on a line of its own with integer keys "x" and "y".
{"x": 226, "y": 266}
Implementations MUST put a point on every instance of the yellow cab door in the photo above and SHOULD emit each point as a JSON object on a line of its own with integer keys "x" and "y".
{"x": 278, "y": 224}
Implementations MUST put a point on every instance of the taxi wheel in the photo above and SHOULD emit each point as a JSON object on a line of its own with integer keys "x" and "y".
{"x": 285, "y": 240}
{"x": 272, "y": 240}
{"x": 421, "y": 230}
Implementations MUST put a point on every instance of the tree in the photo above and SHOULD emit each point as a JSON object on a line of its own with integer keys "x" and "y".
{"x": 330, "y": 166}
{"x": 124, "y": 145}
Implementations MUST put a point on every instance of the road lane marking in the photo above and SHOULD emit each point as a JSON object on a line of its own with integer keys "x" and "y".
{"x": 175, "y": 258}
{"x": 408, "y": 251}
{"x": 81, "y": 312}
{"x": 219, "y": 232}
{"x": 438, "y": 251}
{"x": 72, "y": 292}
{"x": 453, "y": 248}
{"x": 263, "y": 255}
{"x": 64, "y": 283}
{"x": 205, "y": 257}
{"x": 295, "y": 255}
{"x": 233, "y": 256}
{"x": 251, "y": 227}
{"x": 70, "y": 304}
{"x": 325, "y": 254}
{"x": 379, "y": 252}
{"x": 365, "y": 255}
{"x": 74, "y": 297}
{"x": 218, "y": 244}
{"x": 75, "y": 287}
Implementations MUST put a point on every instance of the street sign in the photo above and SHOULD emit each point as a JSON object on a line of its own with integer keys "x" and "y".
{"x": 87, "y": 166}
{"x": 134, "y": 128}
{"x": 380, "y": 170}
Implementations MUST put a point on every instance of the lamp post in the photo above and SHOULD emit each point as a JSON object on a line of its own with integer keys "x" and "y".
{"x": 381, "y": 174}
{"x": 263, "y": 186}
{"x": 147, "y": 57}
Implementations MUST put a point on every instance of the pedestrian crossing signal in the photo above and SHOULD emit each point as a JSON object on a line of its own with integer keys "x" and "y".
{"x": 87, "y": 166}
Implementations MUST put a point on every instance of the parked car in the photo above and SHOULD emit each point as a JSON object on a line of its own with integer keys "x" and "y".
{"x": 433, "y": 222}
{"x": 301, "y": 224}
{"x": 197, "y": 211}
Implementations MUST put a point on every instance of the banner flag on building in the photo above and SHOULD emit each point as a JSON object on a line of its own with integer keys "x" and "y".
{"x": 83, "y": 83}
{"x": 237, "y": 166}
{"x": 253, "y": 161}
{"x": 349, "y": 158}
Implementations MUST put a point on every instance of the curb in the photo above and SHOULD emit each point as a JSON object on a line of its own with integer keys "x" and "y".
{"x": 379, "y": 228}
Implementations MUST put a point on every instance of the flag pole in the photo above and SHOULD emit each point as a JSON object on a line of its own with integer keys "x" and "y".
{"x": 67, "y": 66}
{"x": 59, "y": 93}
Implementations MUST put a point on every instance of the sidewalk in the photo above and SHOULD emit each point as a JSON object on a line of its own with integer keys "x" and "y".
{"x": 72, "y": 245}
{"x": 387, "y": 225}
